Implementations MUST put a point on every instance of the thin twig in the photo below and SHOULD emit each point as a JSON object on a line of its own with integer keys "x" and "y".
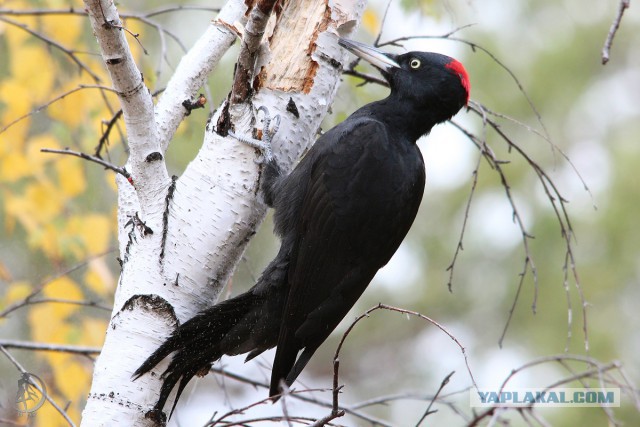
{"x": 60, "y": 348}
{"x": 89, "y": 157}
{"x": 70, "y": 53}
{"x": 70, "y": 302}
{"x": 411, "y": 313}
{"x": 27, "y": 300}
{"x": 467, "y": 208}
{"x": 320, "y": 402}
{"x": 615, "y": 25}
{"x": 428, "y": 411}
{"x": 52, "y": 101}
{"x": 114, "y": 24}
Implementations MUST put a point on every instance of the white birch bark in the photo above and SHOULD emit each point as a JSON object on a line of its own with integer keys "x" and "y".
{"x": 200, "y": 233}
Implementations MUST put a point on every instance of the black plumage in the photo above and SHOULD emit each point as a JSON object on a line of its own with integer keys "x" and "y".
{"x": 341, "y": 214}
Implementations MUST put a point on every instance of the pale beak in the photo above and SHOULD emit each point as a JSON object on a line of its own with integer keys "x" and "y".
{"x": 375, "y": 57}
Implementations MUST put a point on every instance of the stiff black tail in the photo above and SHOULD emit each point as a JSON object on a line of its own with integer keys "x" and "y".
{"x": 199, "y": 342}
{"x": 287, "y": 366}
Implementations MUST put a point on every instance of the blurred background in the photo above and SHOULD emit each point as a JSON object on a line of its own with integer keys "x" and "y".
{"x": 57, "y": 215}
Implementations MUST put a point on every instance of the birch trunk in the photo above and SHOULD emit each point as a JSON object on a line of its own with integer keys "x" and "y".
{"x": 201, "y": 221}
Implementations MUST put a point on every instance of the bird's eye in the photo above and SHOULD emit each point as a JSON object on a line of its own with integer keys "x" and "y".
{"x": 415, "y": 63}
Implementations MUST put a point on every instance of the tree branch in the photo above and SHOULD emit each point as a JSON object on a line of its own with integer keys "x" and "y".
{"x": 98, "y": 160}
{"x": 60, "y": 348}
{"x": 195, "y": 67}
{"x": 380, "y": 306}
{"x": 615, "y": 25}
{"x": 251, "y": 39}
{"x": 136, "y": 102}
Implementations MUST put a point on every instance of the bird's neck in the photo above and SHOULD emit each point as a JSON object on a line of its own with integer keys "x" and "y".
{"x": 401, "y": 118}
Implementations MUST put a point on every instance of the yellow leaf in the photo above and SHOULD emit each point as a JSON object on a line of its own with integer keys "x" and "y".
{"x": 72, "y": 379}
{"x": 17, "y": 291}
{"x": 15, "y": 136}
{"x": 95, "y": 232}
{"x": 48, "y": 320}
{"x": 32, "y": 66}
{"x": 40, "y": 203}
{"x": 111, "y": 182}
{"x": 65, "y": 29}
{"x": 17, "y": 96}
{"x": 5, "y": 274}
{"x": 38, "y": 159}
{"x": 63, "y": 287}
{"x": 16, "y": 208}
{"x": 370, "y": 21}
{"x": 45, "y": 200}
{"x": 48, "y": 416}
{"x": 48, "y": 238}
{"x": 73, "y": 109}
{"x": 17, "y": 36}
{"x": 44, "y": 322}
{"x": 71, "y": 175}
{"x": 93, "y": 331}
{"x": 14, "y": 166}
{"x": 99, "y": 277}
{"x": 15, "y": 161}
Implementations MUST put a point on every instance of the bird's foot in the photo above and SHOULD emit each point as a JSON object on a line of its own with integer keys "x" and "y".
{"x": 268, "y": 131}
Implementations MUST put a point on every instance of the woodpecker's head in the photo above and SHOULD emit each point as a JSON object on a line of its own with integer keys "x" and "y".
{"x": 429, "y": 80}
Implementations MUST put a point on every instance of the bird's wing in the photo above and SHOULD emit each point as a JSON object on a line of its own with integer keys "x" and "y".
{"x": 362, "y": 196}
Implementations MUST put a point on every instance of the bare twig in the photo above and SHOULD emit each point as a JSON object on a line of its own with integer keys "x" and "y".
{"x": 366, "y": 78}
{"x": 111, "y": 23}
{"x": 178, "y": 8}
{"x": 336, "y": 412}
{"x": 104, "y": 139}
{"x": 428, "y": 411}
{"x": 70, "y": 53}
{"x": 240, "y": 411}
{"x": 70, "y": 302}
{"x": 107, "y": 165}
{"x": 459, "y": 246}
{"x": 52, "y": 101}
{"x": 496, "y": 164}
{"x": 60, "y": 348}
{"x": 606, "y": 49}
{"x": 407, "y": 312}
{"x": 319, "y": 402}
{"x": 29, "y": 298}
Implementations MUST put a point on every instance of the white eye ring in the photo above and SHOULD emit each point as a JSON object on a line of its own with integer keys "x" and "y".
{"x": 415, "y": 63}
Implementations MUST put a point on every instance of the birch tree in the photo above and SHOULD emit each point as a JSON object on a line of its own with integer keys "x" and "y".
{"x": 180, "y": 238}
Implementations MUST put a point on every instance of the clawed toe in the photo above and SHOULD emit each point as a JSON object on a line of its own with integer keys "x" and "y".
{"x": 269, "y": 128}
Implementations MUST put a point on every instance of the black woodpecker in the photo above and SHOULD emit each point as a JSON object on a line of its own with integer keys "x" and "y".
{"x": 340, "y": 214}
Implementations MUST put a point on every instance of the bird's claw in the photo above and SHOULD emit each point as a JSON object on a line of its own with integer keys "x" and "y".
{"x": 268, "y": 132}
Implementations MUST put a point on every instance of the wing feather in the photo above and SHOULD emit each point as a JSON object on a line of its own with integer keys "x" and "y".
{"x": 357, "y": 208}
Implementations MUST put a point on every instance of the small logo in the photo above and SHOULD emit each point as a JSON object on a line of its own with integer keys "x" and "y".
{"x": 31, "y": 394}
{"x": 544, "y": 397}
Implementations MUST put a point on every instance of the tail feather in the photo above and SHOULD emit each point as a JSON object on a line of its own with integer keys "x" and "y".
{"x": 287, "y": 366}
{"x": 196, "y": 344}
{"x": 249, "y": 322}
